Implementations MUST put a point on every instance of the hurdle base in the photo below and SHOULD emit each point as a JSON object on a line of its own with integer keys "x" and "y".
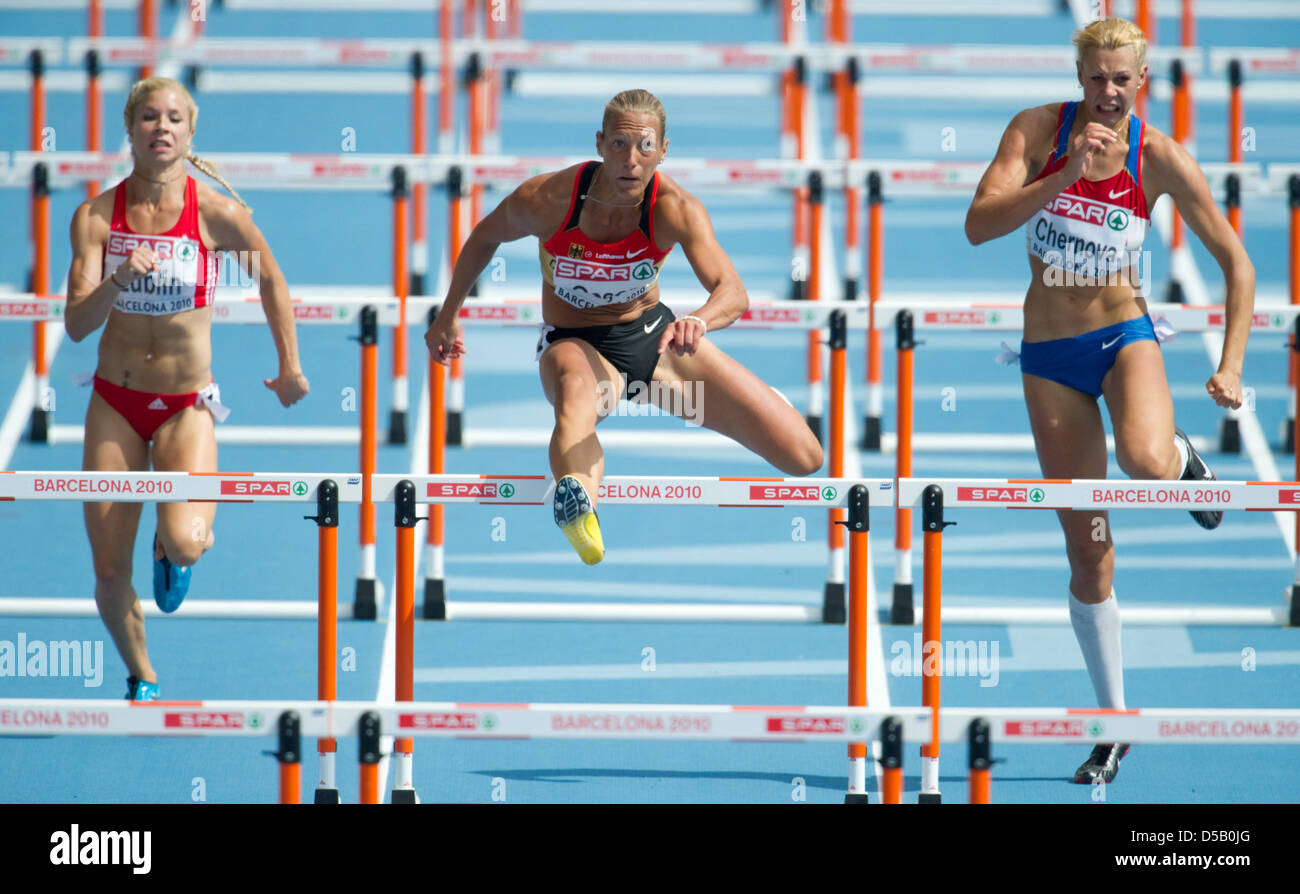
{"x": 903, "y": 611}
{"x": 364, "y": 607}
{"x": 1294, "y": 620}
{"x": 454, "y": 428}
{"x": 815, "y": 425}
{"x": 855, "y": 798}
{"x": 39, "y": 431}
{"x": 1175, "y": 294}
{"x": 327, "y": 796}
{"x": 397, "y": 427}
{"x": 929, "y": 798}
{"x": 1230, "y": 436}
{"x": 1288, "y": 436}
{"x": 435, "y": 600}
{"x": 871, "y": 433}
{"x": 833, "y": 610}
{"x": 405, "y": 796}
{"x": 417, "y": 284}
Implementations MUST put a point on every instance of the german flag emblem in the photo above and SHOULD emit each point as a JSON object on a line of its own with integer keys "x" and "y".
{"x": 576, "y": 249}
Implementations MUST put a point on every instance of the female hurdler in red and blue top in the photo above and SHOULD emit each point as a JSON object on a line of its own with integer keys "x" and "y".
{"x": 1081, "y": 178}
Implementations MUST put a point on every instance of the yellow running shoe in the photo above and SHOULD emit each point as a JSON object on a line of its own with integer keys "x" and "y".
{"x": 577, "y": 519}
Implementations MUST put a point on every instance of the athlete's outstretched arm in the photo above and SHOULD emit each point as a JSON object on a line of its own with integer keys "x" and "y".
{"x": 1170, "y": 169}
{"x": 232, "y": 229}
{"x": 682, "y": 218}
{"x": 519, "y": 214}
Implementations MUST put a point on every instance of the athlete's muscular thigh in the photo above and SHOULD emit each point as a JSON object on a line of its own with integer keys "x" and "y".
{"x": 111, "y": 445}
{"x": 186, "y": 443}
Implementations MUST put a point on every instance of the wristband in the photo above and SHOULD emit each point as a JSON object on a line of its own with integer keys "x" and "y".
{"x": 696, "y": 319}
{"x": 113, "y": 277}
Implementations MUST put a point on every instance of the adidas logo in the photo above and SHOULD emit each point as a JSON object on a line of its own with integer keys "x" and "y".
{"x": 158, "y": 404}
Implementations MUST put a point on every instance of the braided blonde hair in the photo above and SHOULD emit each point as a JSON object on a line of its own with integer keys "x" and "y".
{"x": 141, "y": 90}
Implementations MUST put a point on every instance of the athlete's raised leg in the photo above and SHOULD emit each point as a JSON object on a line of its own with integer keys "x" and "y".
{"x": 186, "y": 442}
{"x": 729, "y": 399}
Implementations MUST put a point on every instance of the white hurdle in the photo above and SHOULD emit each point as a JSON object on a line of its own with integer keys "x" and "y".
{"x": 1079, "y": 494}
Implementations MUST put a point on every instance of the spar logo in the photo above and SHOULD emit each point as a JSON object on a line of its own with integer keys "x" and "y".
{"x": 455, "y": 721}
{"x": 314, "y": 312}
{"x": 572, "y": 269}
{"x": 643, "y": 270}
{"x": 1117, "y": 220}
{"x": 997, "y": 494}
{"x": 124, "y": 244}
{"x": 808, "y": 492}
{"x": 211, "y": 720}
{"x": 1288, "y": 496}
{"x": 186, "y": 251}
{"x": 804, "y": 724}
{"x": 957, "y": 317}
{"x": 489, "y": 313}
{"x": 475, "y": 491}
{"x": 1036, "y": 495}
{"x": 1047, "y": 729}
{"x": 772, "y": 315}
{"x": 254, "y": 488}
{"x": 1078, "y": 208}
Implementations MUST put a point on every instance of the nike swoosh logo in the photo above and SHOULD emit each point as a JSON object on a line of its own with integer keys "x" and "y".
{"x": 1116, "y": 195}
{"x": 633, "y": 254}
{"x": 650, "y": 327}
{"x": 1107, "y": 345}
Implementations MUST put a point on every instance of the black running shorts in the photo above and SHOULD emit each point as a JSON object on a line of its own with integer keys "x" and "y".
{"x": 633, "y": 347}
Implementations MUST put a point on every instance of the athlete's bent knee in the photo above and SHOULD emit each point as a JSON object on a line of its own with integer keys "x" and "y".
{"x": 112, "y": 573}
{"x": 806, "y": 459}
{"x": 1146, "y": 461}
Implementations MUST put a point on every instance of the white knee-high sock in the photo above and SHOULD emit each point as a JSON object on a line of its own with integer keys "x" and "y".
{"x": 1097, "y": 628}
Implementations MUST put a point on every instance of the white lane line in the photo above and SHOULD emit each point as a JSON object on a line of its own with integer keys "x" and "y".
{"x": 697, "y": 670}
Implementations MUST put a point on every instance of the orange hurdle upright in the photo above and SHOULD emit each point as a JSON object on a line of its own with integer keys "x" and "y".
{"x": 979, "y": 761}
{"x": 289, "y": 755}
{"x": 833, "y": 598}
{"x": 902, "y": 611}
{"x": 401, "y": 392}
{"x": 364, "y": 604}
{"x": 40, "y": 235}
{"x": 932, "y": 524}
{"x": 404, "y": 519}
{"x": 875, "y": 276}
{"x": 816, "y": 397}
{"x": 858, "y": 524}
{"x": 327, "y": 622}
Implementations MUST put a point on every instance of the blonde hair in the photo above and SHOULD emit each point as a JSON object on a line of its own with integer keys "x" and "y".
{"x": 635, "y": 102}
{"x": 141, "y": 90}
{"x": 1110, "y": 34}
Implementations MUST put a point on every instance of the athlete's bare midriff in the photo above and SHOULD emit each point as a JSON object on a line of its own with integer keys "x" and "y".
{"x": 165, "y": 355}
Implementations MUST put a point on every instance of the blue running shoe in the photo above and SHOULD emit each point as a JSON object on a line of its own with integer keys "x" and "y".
{"x": 138, "y": 690}
{"x": 170, "y": 583}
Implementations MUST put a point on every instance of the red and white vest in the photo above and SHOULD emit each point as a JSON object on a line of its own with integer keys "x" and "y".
{"x": 186, "y": 277}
